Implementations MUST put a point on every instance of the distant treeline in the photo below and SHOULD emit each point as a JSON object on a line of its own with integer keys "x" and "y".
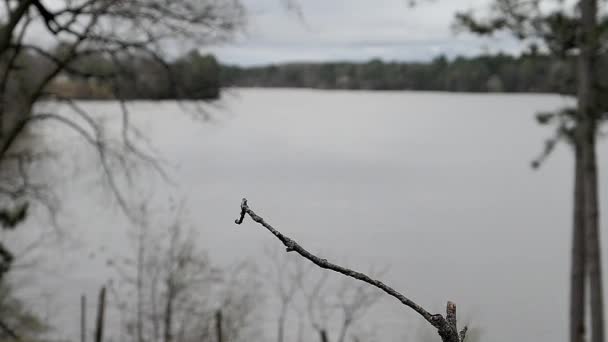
{"x": 140, "y": 76}
{"x": 496, "y": 73}
{"x": 196, "y": 76}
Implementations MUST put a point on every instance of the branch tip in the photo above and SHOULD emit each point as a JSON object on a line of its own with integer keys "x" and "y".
{"x": 244, "y": 209}
{"x": 450, "y": 315}
{"x": 463, "y": 333}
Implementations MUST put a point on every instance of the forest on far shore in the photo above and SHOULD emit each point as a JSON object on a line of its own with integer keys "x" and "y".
{"x": 196, "y": 76}
{"x": 530, "y": 72}
{"x": 98, "y": 76}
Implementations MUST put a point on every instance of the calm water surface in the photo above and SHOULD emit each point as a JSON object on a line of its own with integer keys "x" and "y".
{"x": 438, "y": 186}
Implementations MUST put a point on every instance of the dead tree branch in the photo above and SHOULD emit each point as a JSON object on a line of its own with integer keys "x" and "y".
{"x": 10, "y": 332}
{"x": 446, "y": 326}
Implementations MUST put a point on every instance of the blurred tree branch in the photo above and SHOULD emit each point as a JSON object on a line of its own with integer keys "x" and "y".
{"x": 72, "y": 31}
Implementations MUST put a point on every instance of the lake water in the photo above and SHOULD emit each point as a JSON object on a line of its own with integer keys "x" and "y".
{"x": 437, "y": 186}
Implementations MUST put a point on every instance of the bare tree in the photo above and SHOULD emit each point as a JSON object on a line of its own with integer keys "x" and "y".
{"x": 239, "y": 295}
{"x": 335, "y": 305}
{"x": 17, "y": 321}
{"x": 42, "y": 41}
{"x": 446, "y": 326}
{"x": 330, "y": 306}
{"x": 169, "y": 291}
{"x": 168, "y": 275}
{"x": 286, "y": 274}
{"x": 316, "y": 304}
{"x": 187, "y": 272}
{"x": 354, "y": 301}
{"x": 116, "y": 29}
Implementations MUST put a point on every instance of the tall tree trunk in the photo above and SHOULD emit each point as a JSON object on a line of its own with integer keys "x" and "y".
{"x": 588, "y": 111}
{"x": 593, "y": 247}
{"x": 169, "y": 312}
{"x": 300, "y": 331}
{"x": 101, "y": 313}
{"x": 156, "y": 316}
{"x": 578, "y": 271}
{"x": 83, "y": 318}
{"x": 343, "y": 330}
{"x": 140, "y": 285}
{"x": 218, "y": 326}
{"x": 594, "y": 266}
{"x": 323, "y": 335}
{"x": 281, "y": 323}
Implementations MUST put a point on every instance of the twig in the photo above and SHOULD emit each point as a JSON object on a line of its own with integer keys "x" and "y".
{"x": 10, "y": 332}
{"x": 446, "y": 327}
{"x": 6, "y": 261}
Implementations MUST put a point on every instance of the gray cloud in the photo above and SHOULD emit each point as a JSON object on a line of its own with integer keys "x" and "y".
{"x": 355, "y": 30}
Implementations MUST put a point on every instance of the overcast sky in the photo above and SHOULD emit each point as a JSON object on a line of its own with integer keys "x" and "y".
{"x": 354, "y": 30}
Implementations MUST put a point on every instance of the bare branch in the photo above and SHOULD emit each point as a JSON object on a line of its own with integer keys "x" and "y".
{"x": 445, "y": 327}
{"x": 10, "y": 332}
{"x": 7, "y": 260}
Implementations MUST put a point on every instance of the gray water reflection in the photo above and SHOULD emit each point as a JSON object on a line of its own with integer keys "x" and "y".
{"x": 438, "y": 186}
